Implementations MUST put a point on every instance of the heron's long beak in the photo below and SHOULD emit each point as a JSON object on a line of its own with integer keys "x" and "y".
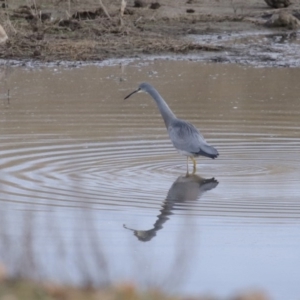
{"x": 132, "y": 94}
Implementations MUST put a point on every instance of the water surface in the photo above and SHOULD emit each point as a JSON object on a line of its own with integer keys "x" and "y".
{"x": 92, "y": 190}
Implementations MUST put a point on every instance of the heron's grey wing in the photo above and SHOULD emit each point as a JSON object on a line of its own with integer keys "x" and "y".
{"x": 185, "y": 136}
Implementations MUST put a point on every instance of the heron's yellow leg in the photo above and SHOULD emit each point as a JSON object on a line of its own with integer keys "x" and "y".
{"x": 187, "y": 166}
{"x": 194, "y": 165}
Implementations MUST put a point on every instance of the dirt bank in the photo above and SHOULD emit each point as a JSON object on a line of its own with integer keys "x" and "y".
{"x": 96, "y": 30}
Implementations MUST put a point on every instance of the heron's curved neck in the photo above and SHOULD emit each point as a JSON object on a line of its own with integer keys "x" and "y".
{"x": 163, "y": 107}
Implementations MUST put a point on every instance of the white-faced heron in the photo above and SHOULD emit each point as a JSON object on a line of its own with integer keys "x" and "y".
{"x": 185, "y": 136}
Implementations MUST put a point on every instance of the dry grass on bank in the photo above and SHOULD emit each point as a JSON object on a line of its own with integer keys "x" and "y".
{"x": 27, "y": 290}
{"x": 89, "y": 30}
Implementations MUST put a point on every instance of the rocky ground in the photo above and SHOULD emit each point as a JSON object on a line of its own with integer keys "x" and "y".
{"x": 94, "y": 30}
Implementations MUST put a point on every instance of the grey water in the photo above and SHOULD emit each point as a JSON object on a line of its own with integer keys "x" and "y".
{"x": 92, "y": 191}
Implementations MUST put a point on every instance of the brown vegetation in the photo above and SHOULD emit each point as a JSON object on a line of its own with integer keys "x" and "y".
{"x": 87, "y": 32}
{"x": 28, "y": 290}
{"x": 96, "y": 30}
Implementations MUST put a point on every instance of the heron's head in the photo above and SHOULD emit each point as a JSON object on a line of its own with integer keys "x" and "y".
{"x": 143, "y": 87}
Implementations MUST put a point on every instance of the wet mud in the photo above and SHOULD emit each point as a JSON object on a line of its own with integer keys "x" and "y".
{"x": 221, "y": 31}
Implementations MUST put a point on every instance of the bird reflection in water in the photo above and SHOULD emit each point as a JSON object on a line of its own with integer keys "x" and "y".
{"x": 185, "y": 188}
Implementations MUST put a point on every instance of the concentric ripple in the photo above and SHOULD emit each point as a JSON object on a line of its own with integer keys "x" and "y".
{"x": 99, "y": 173}
{"x": 139, "y": 174}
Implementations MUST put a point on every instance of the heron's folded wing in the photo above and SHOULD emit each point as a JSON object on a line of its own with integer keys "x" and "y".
{"x": 185, "y": 137}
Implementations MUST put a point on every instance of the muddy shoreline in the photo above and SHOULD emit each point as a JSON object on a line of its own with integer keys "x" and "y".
{"x": 85, "y": 31}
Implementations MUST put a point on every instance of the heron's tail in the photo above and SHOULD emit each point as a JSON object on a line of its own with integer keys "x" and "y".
{"x": 208, "y": 151}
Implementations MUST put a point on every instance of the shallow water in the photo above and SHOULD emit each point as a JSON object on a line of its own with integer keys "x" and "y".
{"x": 79, "y": 165}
